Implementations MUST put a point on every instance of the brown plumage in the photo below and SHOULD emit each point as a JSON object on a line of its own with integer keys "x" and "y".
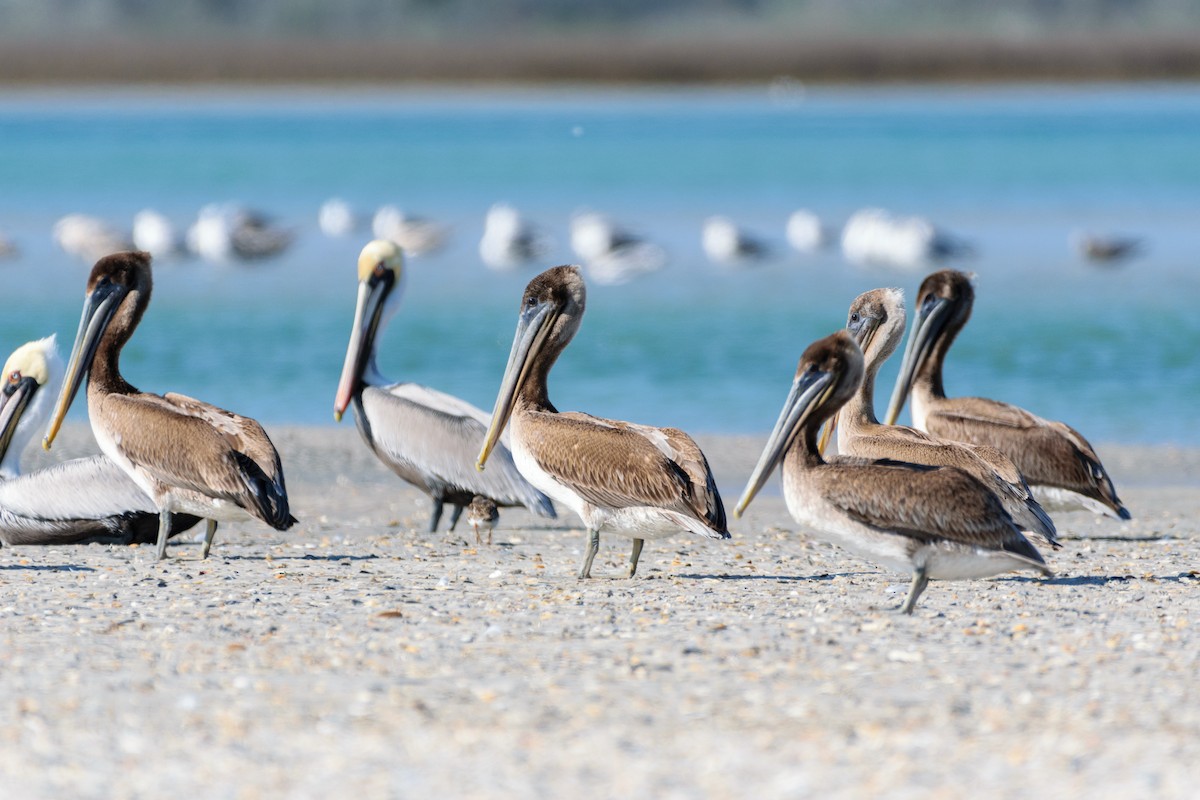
{"x": 634, "y": 479}
{"x": 1059, "y": 464}
{"x": 937, "y": 522}
{"x": 187, "y": 455}
{"x": 482, "y": 514}
{"x": 876, "y": 320}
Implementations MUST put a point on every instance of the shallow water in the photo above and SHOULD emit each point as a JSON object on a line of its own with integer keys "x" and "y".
{"x": 1013, "y": 170}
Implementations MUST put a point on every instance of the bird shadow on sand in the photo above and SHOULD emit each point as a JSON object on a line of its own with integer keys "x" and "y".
{"x": 1109, "y": 537}
{"x": 824, "y": 576}
{"x": 47, "y": 567}
{"x": 305, "y": 557}
{"x": 1105, "y": 580}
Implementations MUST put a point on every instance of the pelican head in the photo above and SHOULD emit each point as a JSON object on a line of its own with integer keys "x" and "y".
{"x": 943, "y": 307}
{"x": 828, "y": 375}
{"x": 876, "y": 321}
{"x": 380, "y": 273}
{"x": 24, "y": 405}
{"x": 551, "y": 310}
{"x": 118, "y": 291}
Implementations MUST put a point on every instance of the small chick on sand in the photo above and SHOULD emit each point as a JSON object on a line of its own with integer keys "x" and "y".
{"x": 482, "y": 515}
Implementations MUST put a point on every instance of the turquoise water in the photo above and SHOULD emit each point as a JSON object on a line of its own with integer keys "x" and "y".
{"x": 1014, "y": 170}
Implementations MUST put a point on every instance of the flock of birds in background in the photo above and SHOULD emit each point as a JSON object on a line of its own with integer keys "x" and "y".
{"x": 960, "y": 495}
{"x": 611, "y": 252}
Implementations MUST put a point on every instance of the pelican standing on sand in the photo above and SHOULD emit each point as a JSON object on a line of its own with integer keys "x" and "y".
{"x": 426, "y": 437}
{"x": 186, "y": 455}
{"x": 1060, "y": 465}
{"x": 876, "y": 321}
{"x": 635, "y": 480}
{"x": 938, "y": 523}
{"x": 81, "y": 500}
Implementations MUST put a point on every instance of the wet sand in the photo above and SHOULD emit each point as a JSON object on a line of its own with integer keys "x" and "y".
{"x": 359, "y": 656}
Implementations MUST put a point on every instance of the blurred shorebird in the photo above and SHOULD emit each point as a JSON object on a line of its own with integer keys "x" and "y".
{"x": 337, "y": 218}
{"x": 81, "y": 500}
{"x": 725, "y": 243}
{"x": 426, "y": 437}
{"x": 88, "y": 238}
{"x": 225, "y": 232}
{"x": 939, "y": 523}
{"x": 876, "y": 237}
{"x": 612, "y": 254}
{"x": 1060, "y": 465}
{"x": 188, "y": 456}
{"x": 482, "y": 515}
{"x": 806, "y": 233}
{"x": 417, "y": 236}
{"x": 1106, "y": 249}
{"x": 635, "y": 480}
{"x": 510, "y": 241}
{"x": 155, "y": 234}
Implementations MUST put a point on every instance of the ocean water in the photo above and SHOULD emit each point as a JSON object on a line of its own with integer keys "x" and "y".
{"x": 1014, "y": 170}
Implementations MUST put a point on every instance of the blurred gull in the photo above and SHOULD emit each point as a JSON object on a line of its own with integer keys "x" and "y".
{"x": 88, "y": 238}
{"x": 337, "y": 218}
{"x": 509, "y": 240}
{"x": 8, "y": 248}
{"x": 415, "y": 235}
{"x": 725, "y": 243}
{"x": 1106, "y": 249}
{"x": 155, "y": 234}
{"x": 877, "y": 237}
{"x": 226, "y": 232}
{"x": 611, "y": 254}
{"x": 806, "y": 233}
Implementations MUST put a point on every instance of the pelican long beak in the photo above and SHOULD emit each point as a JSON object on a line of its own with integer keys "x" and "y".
{"x": 14, "y": 399}
{"x": 927, "y": 323}
{"x": 98, "y": 309}
{"x": 532, "y": 328}
{"x": 809, "y": 390}
{"x": 371, "y": 296}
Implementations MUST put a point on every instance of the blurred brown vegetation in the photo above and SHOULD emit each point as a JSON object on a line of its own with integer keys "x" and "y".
{"x": 387, "y": 41}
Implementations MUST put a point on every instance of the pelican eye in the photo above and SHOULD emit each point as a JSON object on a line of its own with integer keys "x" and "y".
{"x": 854, "y": 317}
{"x": 14, "y": 376}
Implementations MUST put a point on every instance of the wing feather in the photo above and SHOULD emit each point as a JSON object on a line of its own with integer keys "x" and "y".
{"x": 436, "y": 438}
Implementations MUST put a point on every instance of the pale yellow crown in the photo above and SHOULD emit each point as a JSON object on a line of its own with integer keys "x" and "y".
{"x": 380, "y": 251}
{"x": 31, "y": 360}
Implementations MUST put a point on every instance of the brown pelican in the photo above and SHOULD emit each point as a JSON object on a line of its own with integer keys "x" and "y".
{"x": 186, "y": 455}
{"x": 1059, "y": 464}
{"x": 81, "y": 500}
{"x": 876, "y": 320}
{"x": 426, "y": 437}
{"x": 635, "y": 480}
{"x": 482, "y": 514}
{"x": 937, "y": 522}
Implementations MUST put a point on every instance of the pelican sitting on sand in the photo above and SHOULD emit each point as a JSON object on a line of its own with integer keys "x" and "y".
{"x": 81, "y": 500}
{"x": 1058, "y": 463}
{"x": 876, "y": 320}
{"x": 186, "y": 455}
{"x": 635, "y": 480}
{"x": 939, "y": 523}
{"x": 426, "y": 437}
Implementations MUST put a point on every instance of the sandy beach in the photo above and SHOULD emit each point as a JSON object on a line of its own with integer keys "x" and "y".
{"x": 357, "y": 655}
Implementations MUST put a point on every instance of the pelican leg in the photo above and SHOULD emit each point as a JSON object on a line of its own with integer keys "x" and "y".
{"x": 919, "y": 582}
{"x": 436, "y": 517}
{"x": 164, "y": 530}
{"x": 209, "y": 533}
{"x": 455, "y": 513}
{"x": 592, "y": 547}
{"x": 635, "y": 555}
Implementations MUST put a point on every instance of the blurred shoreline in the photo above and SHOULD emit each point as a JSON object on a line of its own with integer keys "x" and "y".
{"x": 604, "y": 58}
